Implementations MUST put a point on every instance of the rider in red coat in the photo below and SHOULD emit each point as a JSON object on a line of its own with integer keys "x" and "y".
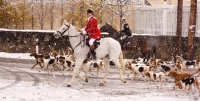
{"x": 92, "y": 30}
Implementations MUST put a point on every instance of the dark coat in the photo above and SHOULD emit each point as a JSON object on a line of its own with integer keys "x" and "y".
{"x": 126, "y": 30}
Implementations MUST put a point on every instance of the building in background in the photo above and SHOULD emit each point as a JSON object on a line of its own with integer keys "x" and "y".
{"x": 49, "y": 14}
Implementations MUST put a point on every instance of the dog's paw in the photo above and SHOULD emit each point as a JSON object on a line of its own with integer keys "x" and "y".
{"x": 101, "y": 84}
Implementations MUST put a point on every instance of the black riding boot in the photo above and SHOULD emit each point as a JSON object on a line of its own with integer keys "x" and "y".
{"x": 93, "y": 54}
{"x": 124, "y": 42}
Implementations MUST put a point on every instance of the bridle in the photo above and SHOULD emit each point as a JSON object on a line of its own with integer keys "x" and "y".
{"x": 62, "y": 33}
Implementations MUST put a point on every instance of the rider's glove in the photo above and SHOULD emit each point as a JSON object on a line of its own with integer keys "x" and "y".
{"x": 83, "y": 31}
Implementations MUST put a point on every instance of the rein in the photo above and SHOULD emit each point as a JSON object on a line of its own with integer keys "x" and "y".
{"x": 79, "y": 42}
{"x": 62, "y": 33}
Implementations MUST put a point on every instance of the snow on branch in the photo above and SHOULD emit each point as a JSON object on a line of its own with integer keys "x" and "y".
{"x": 124, "y": 2}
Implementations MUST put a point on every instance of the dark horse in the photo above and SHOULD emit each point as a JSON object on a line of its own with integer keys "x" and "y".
{"x": 133, "y": 43}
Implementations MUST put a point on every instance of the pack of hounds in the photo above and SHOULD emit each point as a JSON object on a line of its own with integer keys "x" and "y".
{"x": 54, "y": 61}
{"x": 185, "y": 73}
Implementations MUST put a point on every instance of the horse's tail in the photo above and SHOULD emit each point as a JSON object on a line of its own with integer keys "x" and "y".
{"x": 121, "y": 60}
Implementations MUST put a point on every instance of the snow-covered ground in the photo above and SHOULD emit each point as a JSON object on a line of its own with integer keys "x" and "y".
{"x": 19, "y": 83}
{"x": 16, "y": 55}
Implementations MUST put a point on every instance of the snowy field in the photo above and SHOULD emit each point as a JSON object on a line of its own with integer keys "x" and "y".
{"x": 19, "y": 83}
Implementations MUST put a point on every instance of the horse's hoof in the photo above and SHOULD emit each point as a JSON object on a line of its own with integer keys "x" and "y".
{"x": 86, "y": 80}
{"x": 101, "y": 84}
{"x": 68, "y": 85}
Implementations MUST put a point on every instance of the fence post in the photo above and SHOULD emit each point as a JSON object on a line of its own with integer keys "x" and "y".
{"x": 164, "y": 20}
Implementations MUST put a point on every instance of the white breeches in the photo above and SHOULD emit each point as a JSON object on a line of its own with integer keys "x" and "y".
{"x": 91, "y": 41}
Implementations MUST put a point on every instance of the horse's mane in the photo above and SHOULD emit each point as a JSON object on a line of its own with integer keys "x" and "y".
{"x": 112, "y": 32}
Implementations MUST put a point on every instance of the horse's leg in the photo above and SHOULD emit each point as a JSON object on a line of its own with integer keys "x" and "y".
{"x": 76, "y": 69}
{"x": 107, "y": 68}
{"x": 118, "y": 66}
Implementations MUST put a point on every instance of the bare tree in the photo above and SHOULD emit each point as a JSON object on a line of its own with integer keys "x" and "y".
{"x": 192, "y": 29}
{"x": 72, "y": 10}
{"x": 52, "y": 14}
{"x": 82, "y": 3}
{"x": 40, "y": 14}
{"x": 32, "y": 25}
{"x": 62, "y": 11}
{"x": 121, "y": 5}
{"x": 23, "y": 13}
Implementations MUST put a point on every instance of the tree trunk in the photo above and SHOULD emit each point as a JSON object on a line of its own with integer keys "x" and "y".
{"x": 62, "y": 12}
{"x": 72, "y": 12}
{"x": 179, "y": 26}
{"x": 32, "y": 14}
{"x": 52, "y": 15}
{"x": 23, "y": 14}
{"x": 192, "y": 29}
{"x": 42, "y": 15}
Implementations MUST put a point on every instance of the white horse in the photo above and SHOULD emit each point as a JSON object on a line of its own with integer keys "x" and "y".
{"x": 109, "y": 49}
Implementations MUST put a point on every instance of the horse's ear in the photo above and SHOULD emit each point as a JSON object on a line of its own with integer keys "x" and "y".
{"x": 65, "y": 21}
{"x": 70, "y": 51}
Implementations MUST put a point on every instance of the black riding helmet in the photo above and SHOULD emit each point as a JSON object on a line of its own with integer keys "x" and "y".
{"x": 90, "y": 11}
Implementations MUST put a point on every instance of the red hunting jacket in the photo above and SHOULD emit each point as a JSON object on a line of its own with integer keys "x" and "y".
{"x": 92, "y": 28}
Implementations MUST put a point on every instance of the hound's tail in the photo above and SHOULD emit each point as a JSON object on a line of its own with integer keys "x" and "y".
{"x": 121, "y": 60}
{"x": 197, "y": 75}
{"x": 196, "y": 72}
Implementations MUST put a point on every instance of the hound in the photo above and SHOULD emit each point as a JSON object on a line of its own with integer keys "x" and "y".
{"x": 54, "y": 53}
{"x": 162, "y": 68}
{"x": 38, "y": 59}
{"x": 188, "y": 82}
{"x": 185, "y": 63}
{"x": 155, "y": 62}
{"x": 137, "y": 69}
{"x": 155, "y": 76}
{"x": 67, "y": 64}
{"x": 87, "y": 66}
{"x": 179, "y": 76}
{"x": 48, "y": 64}
{"x": 178, "y": 67}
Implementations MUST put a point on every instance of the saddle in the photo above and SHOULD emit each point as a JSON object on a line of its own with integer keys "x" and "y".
{"x": 96, "y": 43}
{"x": 125, "y": 43}
{"x": 92, "y": 52}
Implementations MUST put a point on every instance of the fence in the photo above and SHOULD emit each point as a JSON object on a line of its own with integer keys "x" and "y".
{"x": 162, "y": 20}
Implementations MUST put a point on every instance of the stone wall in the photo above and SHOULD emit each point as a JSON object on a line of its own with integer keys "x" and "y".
{"x": 25, "y": 42}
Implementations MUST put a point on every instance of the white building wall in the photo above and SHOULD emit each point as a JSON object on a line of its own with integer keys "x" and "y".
{"x": 150, "y": 20}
